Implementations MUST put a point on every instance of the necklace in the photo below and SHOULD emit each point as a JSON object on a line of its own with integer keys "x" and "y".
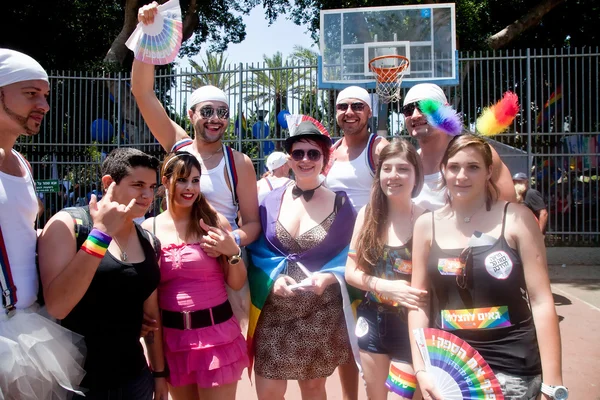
{"x": 211, "y": 156}
{"x": 466, "y": 220}
{"x": 123, "y": 256}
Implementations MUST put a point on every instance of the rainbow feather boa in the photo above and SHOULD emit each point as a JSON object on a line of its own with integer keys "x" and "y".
{"x": 441, "y": 116}
{"x": 497, "y": 118}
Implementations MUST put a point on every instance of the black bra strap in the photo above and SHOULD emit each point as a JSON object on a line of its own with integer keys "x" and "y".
{"x": 504, "y": 218}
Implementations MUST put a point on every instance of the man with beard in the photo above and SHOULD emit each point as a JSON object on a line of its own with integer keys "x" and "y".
{"x": 208, "y": 110}
{"x": 432, "y": 146}
{"x": 38, "y": 358}
{"x": 354, "y": 157}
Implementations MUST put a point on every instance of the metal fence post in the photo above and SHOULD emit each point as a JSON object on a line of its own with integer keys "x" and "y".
{"x": 528, "y": 105}
{"x": 241, "y": 132}
{"x": 119, "y": 111}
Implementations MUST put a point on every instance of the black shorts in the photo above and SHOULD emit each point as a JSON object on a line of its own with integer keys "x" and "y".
{"x": 383, "y": 329}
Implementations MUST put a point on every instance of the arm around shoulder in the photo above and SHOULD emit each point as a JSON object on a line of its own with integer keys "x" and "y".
{"x": 502, "y": 179}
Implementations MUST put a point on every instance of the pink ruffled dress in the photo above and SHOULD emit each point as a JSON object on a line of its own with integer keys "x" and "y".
{"x": 210, "y": 356}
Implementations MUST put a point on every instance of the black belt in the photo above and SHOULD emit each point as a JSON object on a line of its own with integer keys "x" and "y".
{"x": 197, "y": 319}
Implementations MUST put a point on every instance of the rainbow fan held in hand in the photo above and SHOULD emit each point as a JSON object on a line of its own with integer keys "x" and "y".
{"x": 441, "y": 116}
{"x": 158, "y": 43}
{"x": 497, "y": 118}
{"x": 458, "y": 370}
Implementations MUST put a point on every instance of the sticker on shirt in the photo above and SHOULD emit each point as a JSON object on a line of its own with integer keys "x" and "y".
{"x": 499, "y": 265}
{"x": 379, "y": 298}
{"x": 402, "y": 266}
{"x": 476, "y": 318}
{"x": 450, "y": 266}
{"x": 362, "y": 327}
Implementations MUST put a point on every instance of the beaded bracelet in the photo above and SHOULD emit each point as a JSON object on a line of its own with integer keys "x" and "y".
{"x": 96, "y": 243}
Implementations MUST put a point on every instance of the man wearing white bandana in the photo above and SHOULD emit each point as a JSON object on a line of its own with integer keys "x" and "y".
{"x": 354, "y": 157}
{"x": 208, "y": 110}
{"x": 38, "y": 358}
{"x": 432, "y": 146}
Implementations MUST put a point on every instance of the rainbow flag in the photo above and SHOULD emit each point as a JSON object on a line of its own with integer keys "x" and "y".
{"x": 550, "y": 107}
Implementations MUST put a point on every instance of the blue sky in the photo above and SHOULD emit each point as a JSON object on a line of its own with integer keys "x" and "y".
{"x": 264, "y": 39}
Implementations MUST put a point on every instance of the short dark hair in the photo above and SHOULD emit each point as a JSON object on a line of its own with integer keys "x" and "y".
{"x": 119, "y": 162}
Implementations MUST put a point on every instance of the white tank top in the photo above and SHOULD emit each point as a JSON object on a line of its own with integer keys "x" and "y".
{"x": 213, "y": 184}
{"x": 264, "y": 189}
{"x": 432, "y": 197}
{"x": 353, "y": 177}
{"x": 18, "y": 212}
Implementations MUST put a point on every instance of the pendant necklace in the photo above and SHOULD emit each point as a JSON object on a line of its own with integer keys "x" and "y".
{"x": 123, "y": 256}
{"x": 466, "y": 220}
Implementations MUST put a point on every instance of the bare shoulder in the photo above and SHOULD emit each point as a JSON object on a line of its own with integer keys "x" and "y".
{"x": 60, "y": 219}
{"x": 148, "y": 224}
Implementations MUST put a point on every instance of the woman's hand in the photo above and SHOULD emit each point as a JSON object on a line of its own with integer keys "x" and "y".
{"x": 428, "y": 388}
{"x": 319, "y": 282}
{"x": 280, "y": 288}
{"x": 402, "y": 293}
{"x": 217, "y": 242}
{"x": 146, "y": 13}
{"x": 161, "y": 390}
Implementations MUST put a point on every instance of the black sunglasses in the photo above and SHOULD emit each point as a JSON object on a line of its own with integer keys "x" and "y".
{"x": 313, "y": 155}
{"x": 356, "y": 107}
{"x": 409, "y": 109}
{"x": 465, "y": 261}
{"x": 207, "y": 112}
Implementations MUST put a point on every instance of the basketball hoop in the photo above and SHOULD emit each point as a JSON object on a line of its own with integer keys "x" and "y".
{"x": 389, "y": 71}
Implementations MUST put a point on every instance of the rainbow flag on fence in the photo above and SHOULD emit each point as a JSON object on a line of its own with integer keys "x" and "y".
{"x": 550, "y": 107}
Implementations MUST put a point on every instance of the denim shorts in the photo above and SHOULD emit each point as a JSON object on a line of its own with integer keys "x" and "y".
{"x": 140, "y": 388}
{"x": 519, "y": 387}
{"x": 383, "y": 329}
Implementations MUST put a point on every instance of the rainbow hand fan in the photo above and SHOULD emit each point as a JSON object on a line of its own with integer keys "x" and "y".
{"x": 293, "y": 120}
{"x": 158, "y": 43}
{"x": 458, "y": 370}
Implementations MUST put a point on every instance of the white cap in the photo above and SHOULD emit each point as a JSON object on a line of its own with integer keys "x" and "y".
{"x": 207, "y": 93}
{"x": 354, "y": 92}
{"x": 18, "y": 67}
{"x": 275, "y": 160}
{"x": 424, "y": 91}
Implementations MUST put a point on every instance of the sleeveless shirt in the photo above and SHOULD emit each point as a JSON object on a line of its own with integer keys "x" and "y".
{"x": 492, "y": 313}
{"x": 18, "y": 212}
{"x": 432, "y": 196}
{"x": 214, "y": 186}
{"x": 395, "y": 264}
{"x": 354, "y": 177}
{"x": 109, "y": 316}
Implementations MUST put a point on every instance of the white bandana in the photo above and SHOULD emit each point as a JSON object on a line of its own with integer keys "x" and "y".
{"x": 18, "y": 67}
{"x": 207, "y": 93}
{"x": 424, "y": 91}
{"x": 354, "y": 92}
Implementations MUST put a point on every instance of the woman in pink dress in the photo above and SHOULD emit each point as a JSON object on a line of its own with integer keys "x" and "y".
{"x": 204, "y": 347}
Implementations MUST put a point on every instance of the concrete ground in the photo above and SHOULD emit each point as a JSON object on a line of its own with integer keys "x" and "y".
{"x": 576, "y": 290}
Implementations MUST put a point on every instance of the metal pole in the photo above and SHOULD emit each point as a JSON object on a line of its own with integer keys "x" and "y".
{"x": 240, "y": 118}
{"x": 528, "y": 105}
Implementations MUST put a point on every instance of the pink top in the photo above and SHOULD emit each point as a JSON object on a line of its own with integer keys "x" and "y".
{"x": 190, "y": 279}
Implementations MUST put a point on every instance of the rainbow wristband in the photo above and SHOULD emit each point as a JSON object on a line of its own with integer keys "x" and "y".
{"x": 96, "y": 243}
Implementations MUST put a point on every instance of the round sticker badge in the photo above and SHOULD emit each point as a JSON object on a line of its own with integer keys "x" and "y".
{"x": 362, "y": 327}
{"x": 499, "y": 265}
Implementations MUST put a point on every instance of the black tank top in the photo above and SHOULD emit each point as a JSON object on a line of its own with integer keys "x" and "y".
{"x": 492, "y": 312}
{"x": 110, "y": 315}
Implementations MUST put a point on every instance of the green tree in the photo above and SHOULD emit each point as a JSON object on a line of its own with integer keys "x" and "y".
{"x": 213, "y": 69}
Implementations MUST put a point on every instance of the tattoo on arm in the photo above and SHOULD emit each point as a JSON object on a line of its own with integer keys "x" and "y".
{"x": 149, "y": 338}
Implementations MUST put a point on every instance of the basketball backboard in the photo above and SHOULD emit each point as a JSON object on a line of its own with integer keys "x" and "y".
{"x": 425, "y": 34}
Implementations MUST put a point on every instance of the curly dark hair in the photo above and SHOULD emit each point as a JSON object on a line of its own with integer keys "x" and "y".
{"x": 119, "y": 162}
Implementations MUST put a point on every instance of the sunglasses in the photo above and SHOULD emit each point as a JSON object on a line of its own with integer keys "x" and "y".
{"x": 356, "y": 107}
{"x": 313, "y": 155}
{"x": 409, "y": 109}
{"x": 465, "y": 261}
{"x": 207, "y": 112}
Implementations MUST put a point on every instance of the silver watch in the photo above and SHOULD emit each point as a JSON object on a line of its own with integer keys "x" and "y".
{"x": 555, "y": 392}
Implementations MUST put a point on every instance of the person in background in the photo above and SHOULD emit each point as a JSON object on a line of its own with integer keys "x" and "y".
{"x": 531, "y": 198}
{"x": 278, "y": 174}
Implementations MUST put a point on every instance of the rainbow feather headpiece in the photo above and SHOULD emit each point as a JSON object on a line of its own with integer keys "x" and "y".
{"x": 497, "y": 118}
{"x": 441, "y": 116}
